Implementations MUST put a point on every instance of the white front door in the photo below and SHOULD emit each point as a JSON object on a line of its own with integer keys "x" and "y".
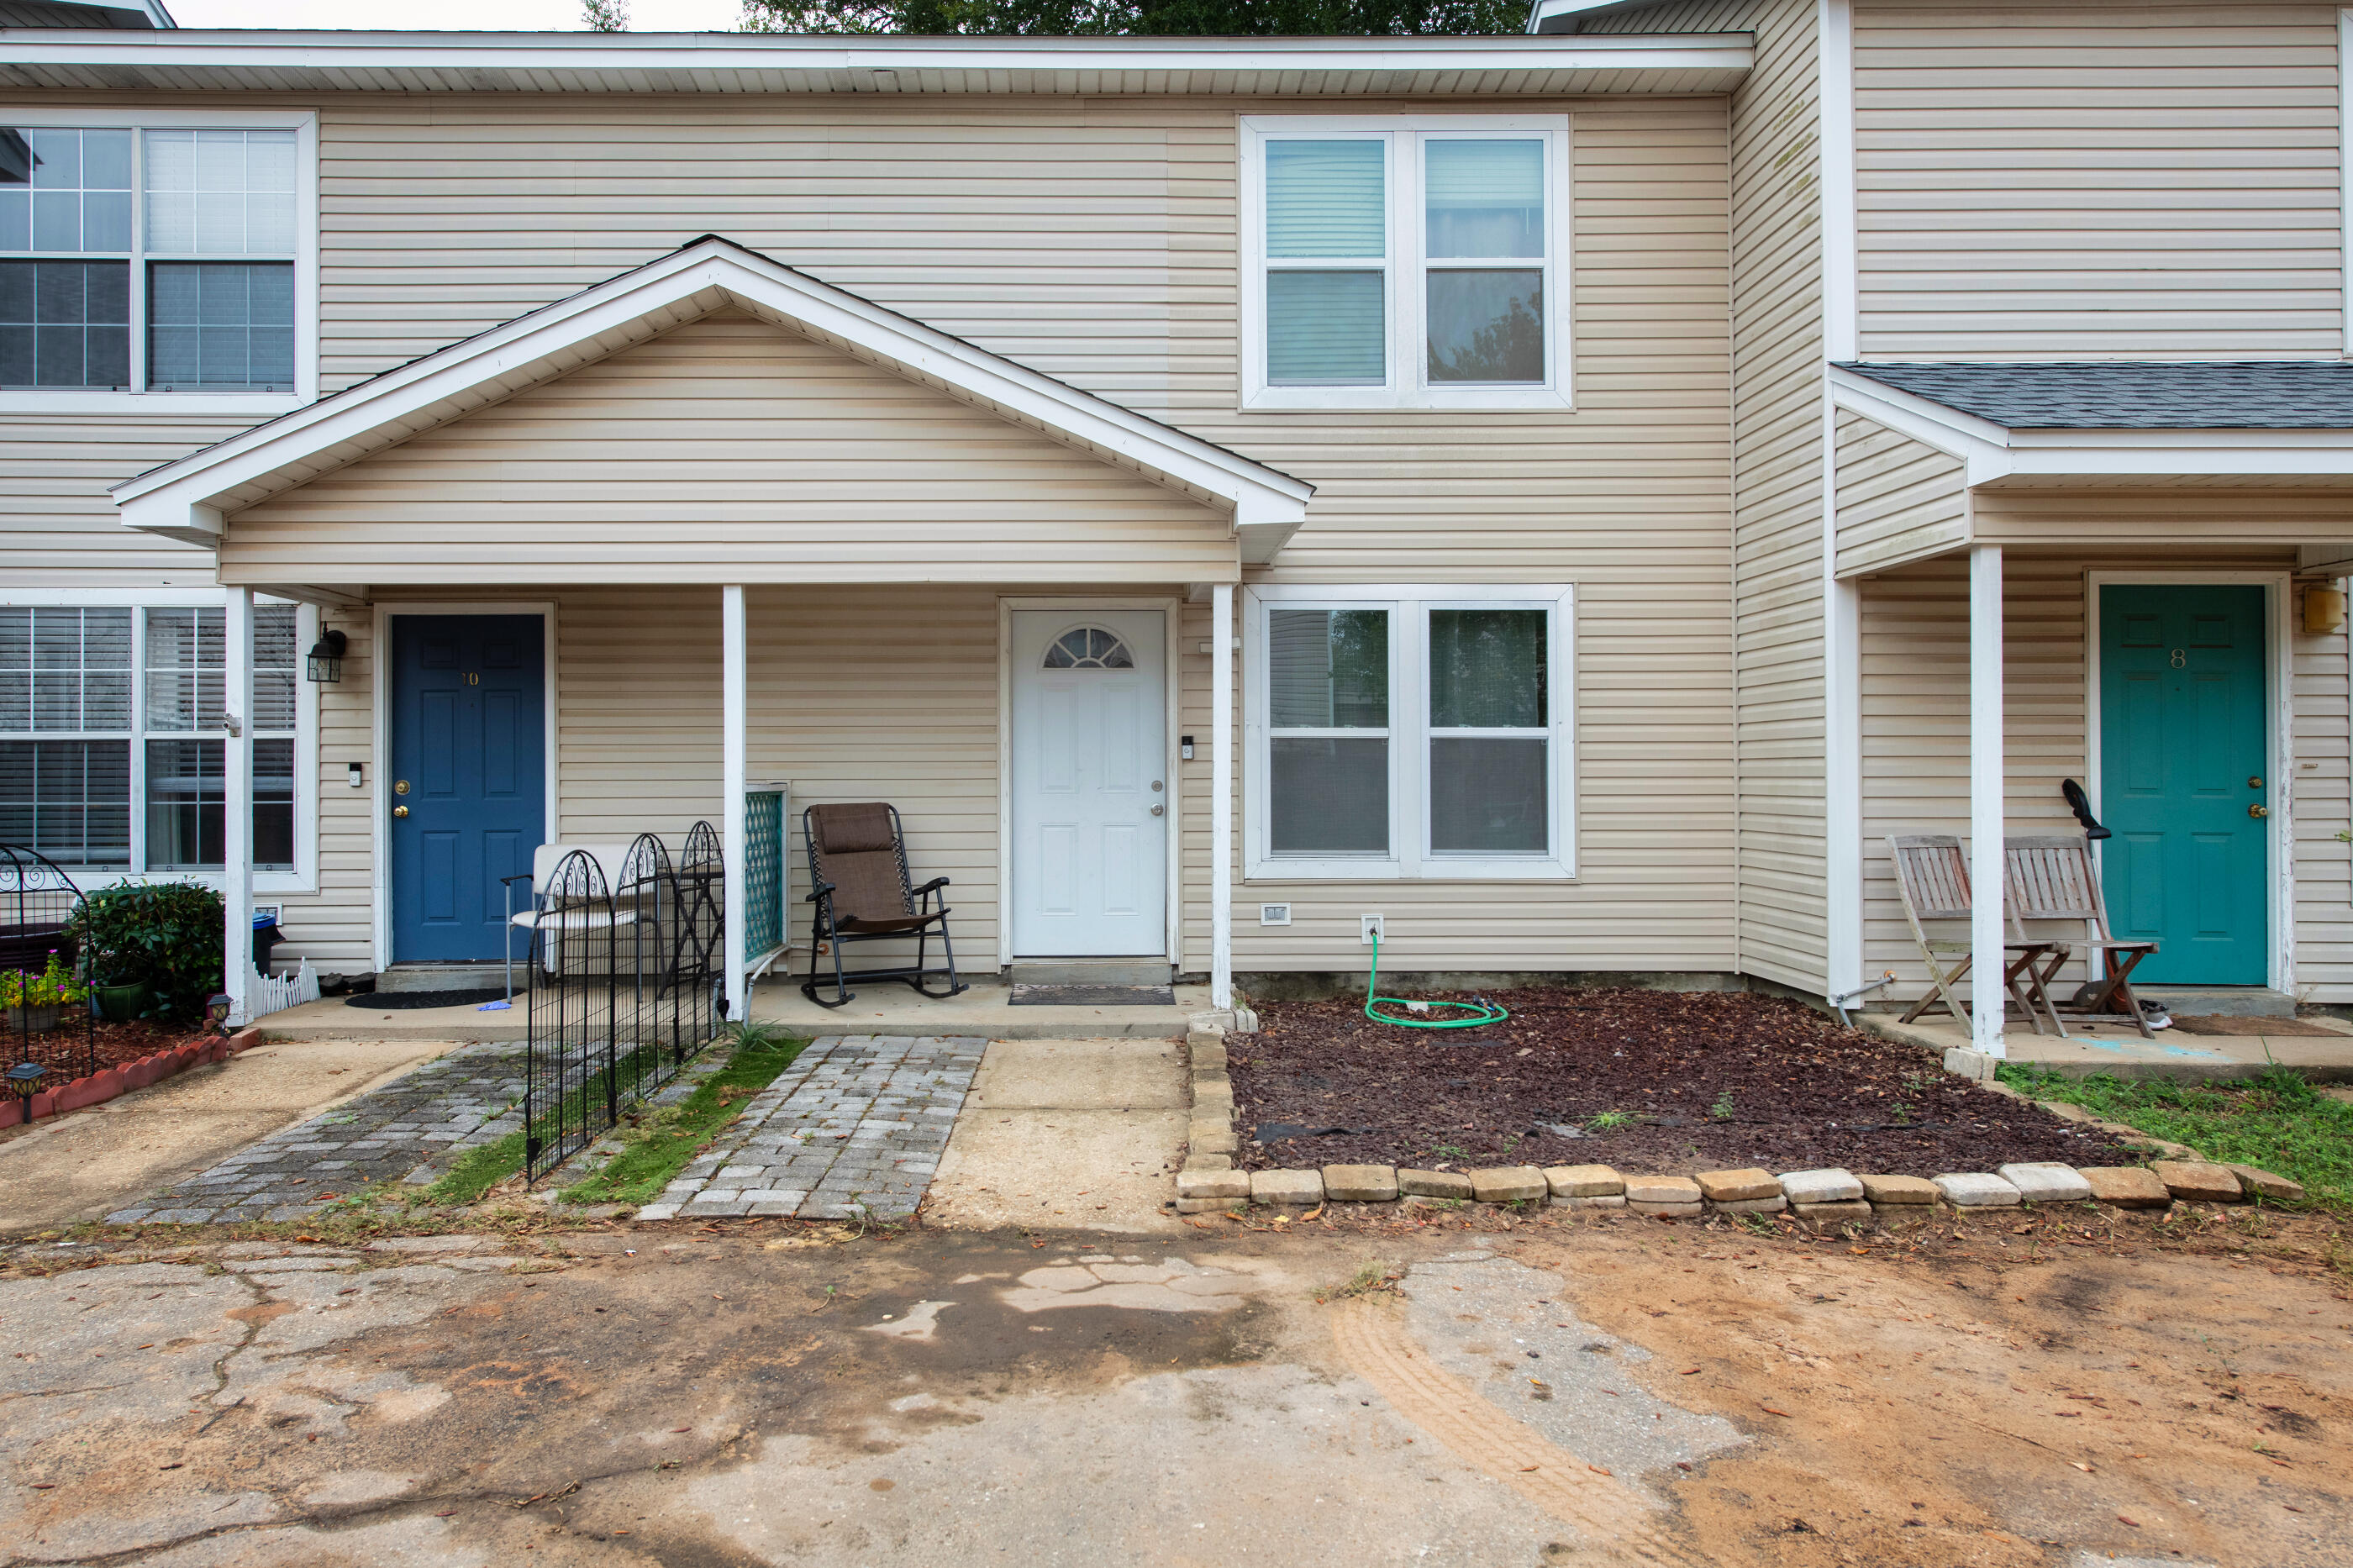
{"x": 1089, "y": 783}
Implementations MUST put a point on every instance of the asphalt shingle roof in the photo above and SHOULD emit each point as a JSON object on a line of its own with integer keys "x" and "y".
{"x": 2124, "y": 394}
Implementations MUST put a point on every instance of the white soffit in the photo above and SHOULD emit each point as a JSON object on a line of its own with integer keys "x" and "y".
{"x": 2000, "y": 457}
{"x": 189, "y": 499}
{"x": 187, "y": 59}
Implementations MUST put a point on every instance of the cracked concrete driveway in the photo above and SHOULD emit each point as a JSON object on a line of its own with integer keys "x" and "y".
{"x": 775, "y": 1393}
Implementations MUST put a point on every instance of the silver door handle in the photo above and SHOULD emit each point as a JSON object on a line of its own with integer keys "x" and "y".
{"x": 1156, "y": 811}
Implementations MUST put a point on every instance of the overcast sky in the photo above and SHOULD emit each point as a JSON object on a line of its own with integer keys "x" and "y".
{"x": 494, "y": 15}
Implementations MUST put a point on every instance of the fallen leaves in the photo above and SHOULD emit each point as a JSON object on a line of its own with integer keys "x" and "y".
{"x": 1771, "y": 1410}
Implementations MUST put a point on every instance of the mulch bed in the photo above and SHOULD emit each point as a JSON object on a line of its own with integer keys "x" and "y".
{"x": 117, "y": 1043}
{"x": 1710, "y": 1080}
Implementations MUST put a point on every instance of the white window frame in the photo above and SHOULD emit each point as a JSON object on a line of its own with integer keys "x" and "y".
{"x": 1406, "y": 267}
{"x": 304, "y": 877}
{"x": 304, "y": 123}
{"x": 1409, "y": 732}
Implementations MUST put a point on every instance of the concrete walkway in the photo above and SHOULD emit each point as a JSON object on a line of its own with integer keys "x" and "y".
{"x": 854, "y": 1127}
{"x": 409, "y": 1130}
{"x": 2118, "y": 1049}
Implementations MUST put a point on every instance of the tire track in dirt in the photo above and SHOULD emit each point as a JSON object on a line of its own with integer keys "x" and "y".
{"x": 1616, "y": 1523}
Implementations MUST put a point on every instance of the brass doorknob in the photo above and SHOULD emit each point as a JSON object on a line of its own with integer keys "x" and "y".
{"x": 2259, "y": 811}
{"x": 400, "y": 811}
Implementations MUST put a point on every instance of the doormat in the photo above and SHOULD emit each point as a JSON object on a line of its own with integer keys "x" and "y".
{"x": 1094, "y": 996}
{"x": 2225, "y": 1024}
{"x": 411, "y": 1001}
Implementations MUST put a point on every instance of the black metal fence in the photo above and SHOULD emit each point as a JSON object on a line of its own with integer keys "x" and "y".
{"x": 45, "y": 978}
{"x": 625, "y": 987}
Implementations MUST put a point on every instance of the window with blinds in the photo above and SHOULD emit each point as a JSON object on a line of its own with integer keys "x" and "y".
{"x": 1401, "y": 265}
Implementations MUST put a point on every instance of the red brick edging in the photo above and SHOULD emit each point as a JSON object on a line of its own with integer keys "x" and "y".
{"x": 97, "y": 1087}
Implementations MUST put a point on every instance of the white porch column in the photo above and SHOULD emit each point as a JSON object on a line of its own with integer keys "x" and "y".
{"x": 1988, "y": 1000}
{"x": 237, "y": 801}
{"x": 1221, "y": 796}
{"x": 734, "y": 696}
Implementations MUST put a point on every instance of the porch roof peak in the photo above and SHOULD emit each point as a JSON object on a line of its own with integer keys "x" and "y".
{"x": 189, "y": 499}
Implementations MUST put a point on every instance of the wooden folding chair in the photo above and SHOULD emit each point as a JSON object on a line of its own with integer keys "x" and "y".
{"x": 1934, "y": 876}
{"x": 2053, "y": 879}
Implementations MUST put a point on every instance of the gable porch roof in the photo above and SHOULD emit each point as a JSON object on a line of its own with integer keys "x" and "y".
{"x": 190, "y": 499}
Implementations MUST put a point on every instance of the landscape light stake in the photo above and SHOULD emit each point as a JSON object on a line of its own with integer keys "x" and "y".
{"x": 25, "y": 1081}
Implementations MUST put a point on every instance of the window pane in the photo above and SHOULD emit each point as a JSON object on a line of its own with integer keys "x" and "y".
{"x": 76, "y": 669}
{"x": 1330, "y": 797}
{"x": 15, "y": 669}
{"x": 220, "y": 192}
{"x": 1327, "y": 198}
{"x": 221, "y": 325}
{"x": 65, "y": 323}
{"x": 63, "y": 189}
{"x": 185, "y": 668}
{"x": 1483, "y": 198}
{"x": 273, "y": 667}
{"x": 1486, "y": 326}
{"x": 1326, "y": 329}
{"x": 1328, "y": 670}
{"x": 68, "y": 799}
{"x": 1487, "y": 797}
{"x": 1487, "y": 670}
{"x": 273, "y": 804}
{"x": 185, "y": 794}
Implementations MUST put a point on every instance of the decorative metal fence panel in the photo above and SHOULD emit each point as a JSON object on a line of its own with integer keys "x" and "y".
{"x": 45, "y": 978}
{"x": 765, "y": 919}
{"x": 624, "y": 981}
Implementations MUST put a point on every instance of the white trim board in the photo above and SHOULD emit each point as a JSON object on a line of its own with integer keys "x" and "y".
{"x": 189, "y": 499}
{"x": 1171, "y": 610}
{"x": 2279, "y": 730}
{"x": 380, "y": 735}
{"x": 1994, "y": 454}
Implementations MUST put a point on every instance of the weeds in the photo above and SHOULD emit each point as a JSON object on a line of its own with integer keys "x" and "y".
{"x": 1610, "y": 1121}
{"x": 1722, "y": 1109}
{"x": 1365, "y": 1281}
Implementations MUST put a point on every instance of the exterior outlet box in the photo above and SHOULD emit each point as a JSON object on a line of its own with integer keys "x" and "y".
{"x": 1371, "y": 927}
{"x": 1275, "y": 914}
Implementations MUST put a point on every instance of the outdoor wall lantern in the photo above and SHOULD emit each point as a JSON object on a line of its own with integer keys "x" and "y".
{"x": 326, "y": 657}
{"x": 25, "y": 1081}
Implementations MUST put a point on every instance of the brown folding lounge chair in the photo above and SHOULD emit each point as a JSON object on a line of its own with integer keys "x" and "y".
{"x": 858, "y": 864}
{"x": 2053, "y": 879}
{"x": 1934, "y": 877}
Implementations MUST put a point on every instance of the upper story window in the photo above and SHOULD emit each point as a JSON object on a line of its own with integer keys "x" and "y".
{"x": 166, "y": 258}
{"x": 1393, "y": 263}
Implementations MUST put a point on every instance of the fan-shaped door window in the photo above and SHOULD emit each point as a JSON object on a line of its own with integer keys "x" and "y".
{"x": 1089, "y": 647}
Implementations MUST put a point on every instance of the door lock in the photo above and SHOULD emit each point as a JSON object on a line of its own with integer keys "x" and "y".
{"x": 2259, "y": 811}
{"x": 2254, "y": 783}
{"x": 400, "y": 786}
{"x": 400, "y": 811}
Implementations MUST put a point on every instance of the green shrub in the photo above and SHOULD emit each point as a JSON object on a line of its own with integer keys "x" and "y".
{"x": 164, "y": 935}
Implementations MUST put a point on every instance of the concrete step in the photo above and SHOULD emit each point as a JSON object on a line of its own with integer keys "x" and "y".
{"x": 1088, "y": 971}
{"x": 2228, "y": 1001}
{"x": 450, "y": 976}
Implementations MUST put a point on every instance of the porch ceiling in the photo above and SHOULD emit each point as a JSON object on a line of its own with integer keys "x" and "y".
{"x": 192, "y": 500}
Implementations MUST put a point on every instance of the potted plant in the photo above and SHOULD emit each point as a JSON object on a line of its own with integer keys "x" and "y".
{"x": 35, "y": 1002}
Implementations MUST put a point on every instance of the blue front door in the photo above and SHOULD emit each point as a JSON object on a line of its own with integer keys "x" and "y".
{"x": 2184, "y": 780}
{"x": 469, "y": 778}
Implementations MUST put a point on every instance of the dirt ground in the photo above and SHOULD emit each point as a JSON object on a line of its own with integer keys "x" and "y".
{"x": 1529, "y": 1390}
{"x": 1668, "y": 1082}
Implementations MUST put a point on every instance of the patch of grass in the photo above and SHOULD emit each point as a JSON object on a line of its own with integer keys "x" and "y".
{"x": 477, "y": 1171}
{"x": 1608, "y": 1121}
{"x": 655, "y": 1149}
{"x": 1372, "y": 1276}
{"x": 2276, "y": 1122}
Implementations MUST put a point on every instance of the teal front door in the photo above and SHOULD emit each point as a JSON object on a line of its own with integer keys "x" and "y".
{"x": 2185, "y": 784}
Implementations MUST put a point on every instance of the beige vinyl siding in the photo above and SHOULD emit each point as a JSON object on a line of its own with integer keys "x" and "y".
{"x": 728, "y": 449}
{"x": 1898, "y": 500}
{"x": 1916, "y": 740}
{"x": 2168, "y": 519}
{"x": 1626, "y": 497}
{"x": 1776, "y": 455}
{"x": 2107, "y": 179}
{"x": 58, "y": 527}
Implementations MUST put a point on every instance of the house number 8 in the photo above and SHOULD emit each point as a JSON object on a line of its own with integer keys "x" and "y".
{"x": 2179, "y": 660}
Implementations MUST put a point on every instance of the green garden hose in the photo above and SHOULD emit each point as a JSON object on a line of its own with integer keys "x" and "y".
{"x": 1481, "y": 1012}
